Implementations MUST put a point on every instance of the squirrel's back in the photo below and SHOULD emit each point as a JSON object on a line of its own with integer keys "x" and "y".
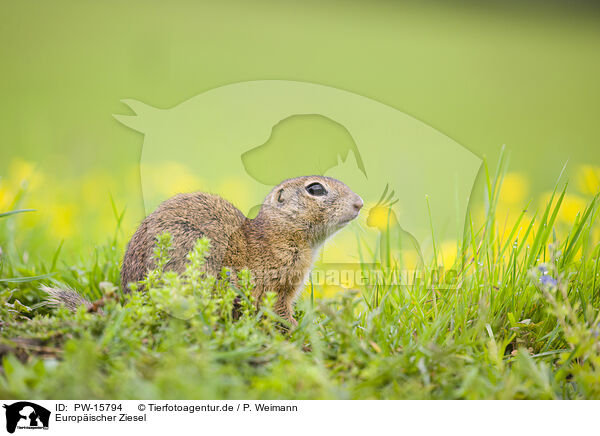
{"x": 187, "y": 218}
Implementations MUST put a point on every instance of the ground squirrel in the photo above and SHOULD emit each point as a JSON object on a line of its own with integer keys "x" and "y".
{"x": 278, "y": 246}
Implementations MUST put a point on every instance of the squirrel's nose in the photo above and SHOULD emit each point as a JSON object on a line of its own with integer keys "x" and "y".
{"x": 358, "y": 204}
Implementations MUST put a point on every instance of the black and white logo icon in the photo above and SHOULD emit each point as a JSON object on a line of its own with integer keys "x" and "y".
{"x": 26, "y": 415}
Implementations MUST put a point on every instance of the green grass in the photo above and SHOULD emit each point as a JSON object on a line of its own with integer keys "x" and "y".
{"x": 519, "y": 318}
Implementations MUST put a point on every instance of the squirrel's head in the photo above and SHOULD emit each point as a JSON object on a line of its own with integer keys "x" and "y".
{"x": 313, "y": 207}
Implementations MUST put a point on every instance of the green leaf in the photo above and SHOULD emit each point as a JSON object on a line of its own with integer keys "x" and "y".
{"x": 26, "y": 279}
{"x": 14, "y": 212}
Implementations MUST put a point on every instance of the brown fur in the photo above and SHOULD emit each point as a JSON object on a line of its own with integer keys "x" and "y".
{"x": 278, "y": 246}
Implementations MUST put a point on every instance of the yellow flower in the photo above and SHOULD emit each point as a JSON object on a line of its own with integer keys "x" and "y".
{"x": 63, "y": 223}
{"x": 21, "y": 171}
{"x": 410, "y": 259}
{"x": 570, "y": 207}
{"x": 381, "y": 218}
{"x": 325, "y": 291}
{"x": 515, "y": 187}
{"x": 170, "y": 178}
{"x": 5, "y": 197}
{"x": 235, "y": 189}
{"x": 506, "y": 219}
{"x": 448, "y": 253}
{"x": 596, "y": 235}
{"x": 588, "y": 179}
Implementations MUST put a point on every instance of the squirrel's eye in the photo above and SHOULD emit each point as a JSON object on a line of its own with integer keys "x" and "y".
{"x": 316, "y": 189}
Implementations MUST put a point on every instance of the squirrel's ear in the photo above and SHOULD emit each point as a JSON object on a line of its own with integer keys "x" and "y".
{"x": 279, "y": 197}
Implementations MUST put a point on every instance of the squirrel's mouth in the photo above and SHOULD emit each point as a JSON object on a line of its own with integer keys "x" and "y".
{"x": 353, "y": 212}
{"x": 346, "y": 220}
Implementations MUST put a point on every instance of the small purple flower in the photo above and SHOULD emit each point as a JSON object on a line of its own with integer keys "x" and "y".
{"x": 543, "y": 269}
{"x": 548, "y": 281}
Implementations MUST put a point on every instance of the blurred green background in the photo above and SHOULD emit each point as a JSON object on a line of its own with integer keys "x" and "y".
{"x": 520, "y": 74}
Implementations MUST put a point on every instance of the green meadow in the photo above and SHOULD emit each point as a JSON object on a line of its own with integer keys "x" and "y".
{"x": 518, "y": 317}
{"x": 511, "y": 309}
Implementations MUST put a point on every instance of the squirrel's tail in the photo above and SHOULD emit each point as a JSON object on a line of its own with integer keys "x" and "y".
{"x": 67, "y": 297}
